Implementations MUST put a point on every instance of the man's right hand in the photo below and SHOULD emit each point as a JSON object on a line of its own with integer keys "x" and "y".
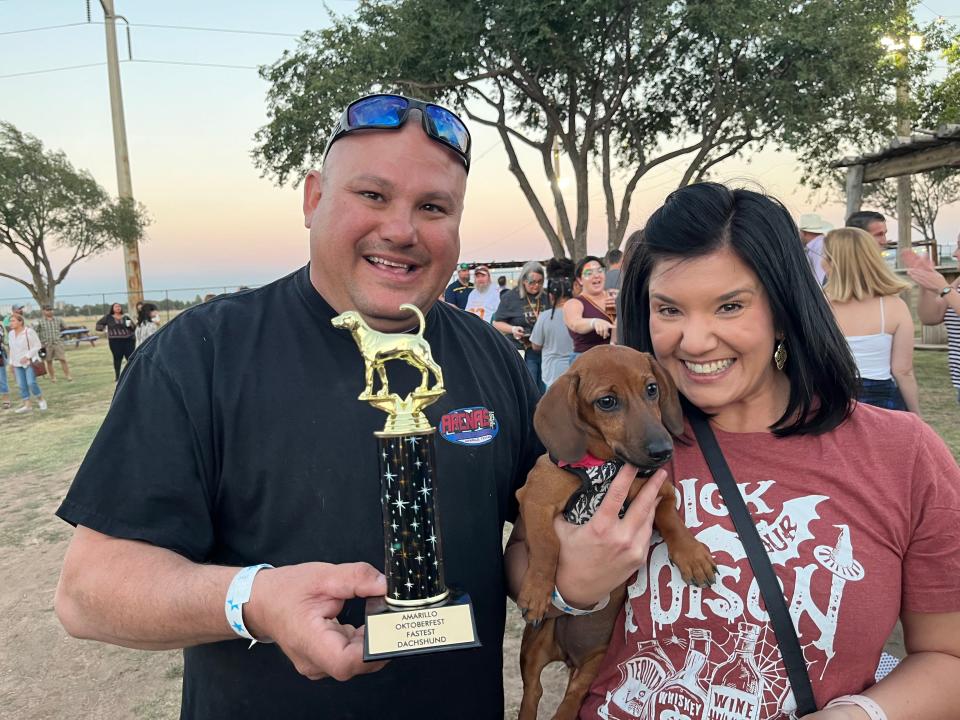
{"x": 297, "y": 607}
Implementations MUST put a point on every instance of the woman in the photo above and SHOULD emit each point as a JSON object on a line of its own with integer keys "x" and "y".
{"x": 149, "y": 323}
{"x": 120, "y": 336}
{"x": 518, "y": 312}
{"x": 590, "y": 315}
{"x": 25, "y": 349}
{"x": 875, "y": 321}
{"x": 858, "y": 507}
{"x": 550, "y": 336}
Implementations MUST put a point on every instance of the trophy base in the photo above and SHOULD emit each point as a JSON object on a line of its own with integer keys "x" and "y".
{"x": 395, "y": 632}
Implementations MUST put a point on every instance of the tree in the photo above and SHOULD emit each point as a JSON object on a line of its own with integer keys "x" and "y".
{"x": 622, "y": 86}
{"x": 46, "y": 203}
{"x": 929, "y": 192}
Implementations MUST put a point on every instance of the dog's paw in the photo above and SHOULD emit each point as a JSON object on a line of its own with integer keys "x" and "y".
{"x": 695, "y": 563}
{"x": 534, "y": 600}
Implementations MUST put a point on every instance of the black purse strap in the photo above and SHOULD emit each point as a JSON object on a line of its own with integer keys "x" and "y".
{"x": 773, "y": 598}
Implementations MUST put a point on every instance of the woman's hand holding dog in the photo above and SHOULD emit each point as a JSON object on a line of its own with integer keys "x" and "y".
{"x": 604, "y": 552}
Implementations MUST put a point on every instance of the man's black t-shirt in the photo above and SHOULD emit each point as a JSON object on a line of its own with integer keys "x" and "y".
{"x": 235, "y": 437}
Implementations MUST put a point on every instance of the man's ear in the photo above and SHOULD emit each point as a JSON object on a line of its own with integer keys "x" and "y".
{"x": 670, "y": 411}
{"x": 312, "y": 190}
{"x": 557, "y": 419}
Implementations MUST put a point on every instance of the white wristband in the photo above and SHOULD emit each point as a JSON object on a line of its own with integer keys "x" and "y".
{"x": 237, "y": 595}
{"x": 869, "y": 706}
{"x": 560, "y": 604}
{"x": 593, "y": 324}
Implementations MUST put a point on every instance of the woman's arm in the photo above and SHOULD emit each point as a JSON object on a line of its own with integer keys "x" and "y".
{"x": 901, "y": 355}
{"x": 575, "y": 321}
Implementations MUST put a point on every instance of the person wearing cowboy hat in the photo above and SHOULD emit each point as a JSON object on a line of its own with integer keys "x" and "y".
{"x": 812, "y": 229}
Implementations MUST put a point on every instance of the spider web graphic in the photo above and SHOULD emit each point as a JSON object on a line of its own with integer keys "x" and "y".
{"x": 777, "y": 699}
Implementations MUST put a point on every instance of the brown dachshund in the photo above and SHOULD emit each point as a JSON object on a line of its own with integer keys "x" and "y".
{"x": 614, "y": 403}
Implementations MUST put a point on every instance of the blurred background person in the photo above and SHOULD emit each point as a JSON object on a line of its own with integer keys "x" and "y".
{"x": 812, "y": 230}
{"x": 518, "y": 312}
{"x": 484, "y": 299}
{"x": 458, "y": 291}
{"x": 4, "y": 362}
{"x": 612, "y": 260}
{"x": 120, "y": 335}
{"x": 550, "y": 336}
{"x": 873, "y": 223}
{"x": 589, "y": 316}
{"x": 876, "y": 322}
{"x": 48, "y": 329}
{"x": 939, "y": 303}
{"x": 24, "y": 350}
{"x": 148, "y": 324}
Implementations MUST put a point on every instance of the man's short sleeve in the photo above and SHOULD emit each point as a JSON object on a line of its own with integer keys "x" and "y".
{"x": 147, "y": 475}
{"x": 931, "y": 565}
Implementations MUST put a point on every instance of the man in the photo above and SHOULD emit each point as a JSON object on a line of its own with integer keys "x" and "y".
{"x": 48, "y": 329}
{"x": 812, "y": 229}
{"x": 484, "y": 299}
{"x": 458, "y": 291}
{"x": 518, "y": 313}
{"x": 268, "y": 457}
{"x": 502, "y": 284}
{"x": 613, "y": 260}
{"x": 873, "y": 222}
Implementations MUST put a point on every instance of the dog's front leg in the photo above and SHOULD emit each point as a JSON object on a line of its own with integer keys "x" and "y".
{"x": 541, "y": 500}
{"x": 690, "y": 556}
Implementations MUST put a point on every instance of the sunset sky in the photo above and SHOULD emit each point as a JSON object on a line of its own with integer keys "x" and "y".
{"x": 190, "y": 130}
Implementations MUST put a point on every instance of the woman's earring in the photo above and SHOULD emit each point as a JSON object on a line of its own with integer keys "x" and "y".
{"x": 780, "y": 356}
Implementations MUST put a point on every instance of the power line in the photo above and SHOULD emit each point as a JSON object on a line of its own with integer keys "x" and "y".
{"x": 195, "y": 64}
{"x": 45, "y": 27}
{"x": 50, "y": 70}
{"x": 156, "y": 26}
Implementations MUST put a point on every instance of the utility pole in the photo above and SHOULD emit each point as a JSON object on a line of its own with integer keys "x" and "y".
{"x": 131, "y": 249}
{"x": 904, "y": 130}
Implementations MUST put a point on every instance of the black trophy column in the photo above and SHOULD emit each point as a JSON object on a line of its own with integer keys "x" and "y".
{"x": 411, "y": 533}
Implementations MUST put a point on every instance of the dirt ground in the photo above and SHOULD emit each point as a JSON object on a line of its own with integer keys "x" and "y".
{"x": 45, "y": 674}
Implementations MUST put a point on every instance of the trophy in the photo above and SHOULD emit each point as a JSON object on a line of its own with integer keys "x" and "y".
{"x": 419, "y": 613}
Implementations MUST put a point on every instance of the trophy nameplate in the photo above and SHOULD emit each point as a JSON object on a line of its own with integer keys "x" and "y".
{"x": 419, "y": 614}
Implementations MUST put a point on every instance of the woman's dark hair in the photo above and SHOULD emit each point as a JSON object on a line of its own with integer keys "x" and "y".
{"x": 559, "y": 287}
{"x": 146, "y": 310}
{"x": 583, "y": 261}
{"x": 700, "y": 219}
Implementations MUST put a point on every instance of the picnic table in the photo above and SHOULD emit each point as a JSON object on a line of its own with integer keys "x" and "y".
{"x": 78, "y": 335}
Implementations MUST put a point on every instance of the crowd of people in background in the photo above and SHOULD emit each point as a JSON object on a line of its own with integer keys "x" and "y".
{"x": 555, "y": 312}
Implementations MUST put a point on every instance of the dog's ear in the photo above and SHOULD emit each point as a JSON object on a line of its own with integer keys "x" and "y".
{"x": 557, "y": 419}
{"x": 670, "y": 412}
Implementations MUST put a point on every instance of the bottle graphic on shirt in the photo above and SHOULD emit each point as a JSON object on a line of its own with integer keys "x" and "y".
{"x": 736, "y": 688}
{"x": 640, "y": 677}
{"x": 684, "y": 696}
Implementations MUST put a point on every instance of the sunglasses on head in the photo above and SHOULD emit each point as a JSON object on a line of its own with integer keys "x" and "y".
{"x": 390, "y": 112}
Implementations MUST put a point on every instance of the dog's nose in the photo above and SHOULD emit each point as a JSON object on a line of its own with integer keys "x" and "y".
{"x": 660, "y": 451}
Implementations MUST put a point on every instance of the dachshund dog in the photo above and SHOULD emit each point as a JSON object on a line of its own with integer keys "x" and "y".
{"x": 613, "y": 404}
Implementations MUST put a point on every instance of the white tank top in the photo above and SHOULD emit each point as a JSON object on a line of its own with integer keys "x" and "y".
{"x": 872, "y": 352}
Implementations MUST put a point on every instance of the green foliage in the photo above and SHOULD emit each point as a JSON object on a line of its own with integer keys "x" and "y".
{"x": 46, "y": 203}
{"x": 622, "y": 86}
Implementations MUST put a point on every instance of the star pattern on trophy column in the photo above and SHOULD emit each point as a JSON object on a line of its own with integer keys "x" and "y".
{"x": 409, "y": 517}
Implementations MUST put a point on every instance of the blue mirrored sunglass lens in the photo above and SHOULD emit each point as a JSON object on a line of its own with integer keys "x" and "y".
{"x": 384, "y": 111}
{"x": 449, "y": 127}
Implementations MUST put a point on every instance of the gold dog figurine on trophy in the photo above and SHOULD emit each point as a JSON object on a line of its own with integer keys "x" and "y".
{"x": 419, "y": 613}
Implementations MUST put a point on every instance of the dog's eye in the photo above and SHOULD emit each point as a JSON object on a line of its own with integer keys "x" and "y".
{"x": 607, "y": 403}
{"x": 653, "y": 391}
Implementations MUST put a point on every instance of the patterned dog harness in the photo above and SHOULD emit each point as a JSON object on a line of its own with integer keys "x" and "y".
{"x": 595, "y": 476}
